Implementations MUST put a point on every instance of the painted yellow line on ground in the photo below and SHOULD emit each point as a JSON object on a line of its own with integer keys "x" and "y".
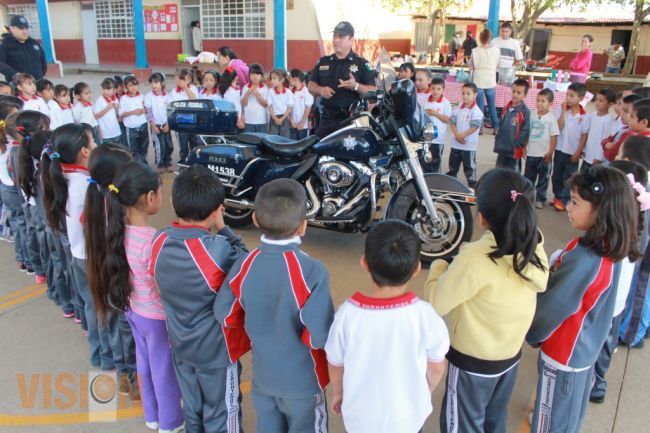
{"x": 18, "y": 292}
{"x": 30, "y": 295}
{"x": 69, "y": 418}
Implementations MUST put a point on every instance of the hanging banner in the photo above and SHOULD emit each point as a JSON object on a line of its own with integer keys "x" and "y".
{"x": 160, "y": 19}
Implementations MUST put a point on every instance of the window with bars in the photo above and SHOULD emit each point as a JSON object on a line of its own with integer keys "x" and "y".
{"x": 114, "y": 19}
{"x": 233, "y": 19}
{"x": 30, "y": 13}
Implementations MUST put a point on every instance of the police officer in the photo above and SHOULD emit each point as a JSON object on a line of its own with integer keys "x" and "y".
{"x": 19, "y": 53}
{"x": 340, "y": 79}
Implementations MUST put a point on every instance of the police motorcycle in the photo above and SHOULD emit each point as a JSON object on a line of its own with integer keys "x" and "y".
{"x": 346, "y": 174}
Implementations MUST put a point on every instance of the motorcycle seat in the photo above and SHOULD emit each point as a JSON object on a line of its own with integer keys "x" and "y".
{"x": 283, "y": 146}
{"x": 254, "y": 138}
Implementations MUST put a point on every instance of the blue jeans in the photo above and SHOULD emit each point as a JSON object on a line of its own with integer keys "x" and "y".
{"x": 612, "y": 70}
{"x": 563, "y": 169}
{"x": 296, "y": 134}
{"x": 99, "y": 344}
{"x": 490, "y": 95}
{"x": 16, "y": 220}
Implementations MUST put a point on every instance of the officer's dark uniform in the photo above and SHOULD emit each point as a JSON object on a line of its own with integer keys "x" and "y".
{"x": 16, "y": 56}
{"x": 327, "y": 72}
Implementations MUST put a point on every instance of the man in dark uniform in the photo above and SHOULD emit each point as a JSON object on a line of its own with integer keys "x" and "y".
{"x": 340, "y": 79}
{"x": 19, "y": 53}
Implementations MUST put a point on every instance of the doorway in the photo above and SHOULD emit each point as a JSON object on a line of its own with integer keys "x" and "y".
{"x": 89, "y": 30}
{"x": 190, "y": 13}
{"x": 623, "y": 37}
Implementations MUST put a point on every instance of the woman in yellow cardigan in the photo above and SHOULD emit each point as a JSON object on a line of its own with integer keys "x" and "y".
{"x": 488, "y": 297}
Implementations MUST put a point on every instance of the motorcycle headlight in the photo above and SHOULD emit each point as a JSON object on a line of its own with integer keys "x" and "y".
{"x": 430, "y": 132}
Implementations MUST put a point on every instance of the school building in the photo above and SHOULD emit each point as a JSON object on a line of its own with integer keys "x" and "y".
{"x": 296, "y": 32}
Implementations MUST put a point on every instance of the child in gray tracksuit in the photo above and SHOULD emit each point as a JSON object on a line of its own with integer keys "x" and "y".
{"x": 189, "y": 264}
{"x": 281, "y": 297}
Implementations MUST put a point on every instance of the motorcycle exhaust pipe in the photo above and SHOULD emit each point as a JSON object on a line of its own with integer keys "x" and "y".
{"x": 239, "y": 204}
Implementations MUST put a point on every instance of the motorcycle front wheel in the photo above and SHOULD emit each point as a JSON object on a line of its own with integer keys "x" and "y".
{"x": 440, "y": 241}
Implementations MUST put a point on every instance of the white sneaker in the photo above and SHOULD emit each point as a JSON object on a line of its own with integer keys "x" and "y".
{"x": 152, "y": 425}
{"x": 178, "y": 429}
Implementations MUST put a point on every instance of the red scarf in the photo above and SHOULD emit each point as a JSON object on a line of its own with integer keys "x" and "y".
{"x": 27, "y": 99}
{"x": 298, "y": 90}
{"x": 163, "y": 93}
{"x": 250, "y": 85}
{"x": 113, "y": 99}
{"x": 85, "y": 104}
{"x": 74, "y": 168}
{"x": 65, "y": 107}
{"x": 204, "y": 91}
{"x": 438, "y": 101}
{"x": 132, "y": 96}
{"x": 278, "y": 92}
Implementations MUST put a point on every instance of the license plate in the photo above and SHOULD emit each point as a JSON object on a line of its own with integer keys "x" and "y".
{"x": 218, "y": 169}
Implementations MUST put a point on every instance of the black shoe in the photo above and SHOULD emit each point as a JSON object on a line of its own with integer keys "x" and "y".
{"x": 597, "y": 399}
{"x": 30, "y": 271}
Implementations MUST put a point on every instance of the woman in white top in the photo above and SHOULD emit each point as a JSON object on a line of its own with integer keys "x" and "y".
{"x": 483, "y": 64}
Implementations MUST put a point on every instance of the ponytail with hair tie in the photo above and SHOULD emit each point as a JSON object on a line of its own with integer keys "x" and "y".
{"x": 112, "y": 188}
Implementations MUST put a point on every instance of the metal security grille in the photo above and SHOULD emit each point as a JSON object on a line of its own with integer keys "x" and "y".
{"x": 230, "y": 19}
{"x": 31, "y": 14}
{"x": 114, "y": 19}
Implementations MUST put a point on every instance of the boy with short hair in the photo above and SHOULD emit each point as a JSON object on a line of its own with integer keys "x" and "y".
{"x": 189, "y": 264}
{"x": 6, "y": 89}
{"x": 45, "y": 90}
{"x": 465, "y": 124}
{"x": 599, "y": 124}
{"x": 302, "y": 103}
{"x": 386, "y": 345}
{"x": 636, "y": 148}
{"x": 281, "y": 297}
{"x": 611, "y": 145}
{"x": 541, "y": 146}
{"x": 570, "y": 143}
{"x": 432, "y": 100}
{"x": 640, "y": 117}
{"x": 514, "y": 128}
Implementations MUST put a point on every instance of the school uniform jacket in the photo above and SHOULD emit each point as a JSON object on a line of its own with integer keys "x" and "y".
{"x": 281, "y": 296}
{"x": 574, "y": 315}
{"x": 189, "y": 264}
{"x": 514, "y": 129}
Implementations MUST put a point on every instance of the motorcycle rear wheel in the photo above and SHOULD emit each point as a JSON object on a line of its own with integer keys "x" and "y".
{"x": 238, "y": 217}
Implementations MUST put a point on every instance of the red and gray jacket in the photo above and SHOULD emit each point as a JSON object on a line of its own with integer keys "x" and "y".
{"x": 574, "y": 315}
{"x": 514, "y": 129}
{"x": 281, "y": 297}
{"x": 189, "y": 265}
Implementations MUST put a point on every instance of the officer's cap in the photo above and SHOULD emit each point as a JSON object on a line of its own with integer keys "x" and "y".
{"x": 19, "y": 21}
{"x": 344, "y": 28}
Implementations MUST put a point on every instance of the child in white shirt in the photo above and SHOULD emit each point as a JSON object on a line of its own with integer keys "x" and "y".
{"x": 155, "y": 103}
{"x": 541, "y": 146}
{"x": 45, "y": 90}
{"x": 302, "y": 103}
{"x": 105, "y": 110}
{"x": 229, "y": 91}
{"x": 280, "y": 103}
{"x": 26, "y": 87}
{"x": 210, "y": 82}
{"x": 465, "y": 124}
{"x": 389, "y": 345}
{"x": 432, "y": 100}
{"x": 599, "y": 124}
{"x": 183, "y": 91}
{"x": 133, "y": 112}
{"x": 62, "y": 105}
{"x": 254, "y": 104}
{"x": 82, "y": 112}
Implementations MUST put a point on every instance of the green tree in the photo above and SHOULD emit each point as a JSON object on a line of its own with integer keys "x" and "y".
{"x": 525, "y": 14}
{"x": 641, "y": 12}
{"x": 434, "y": 10}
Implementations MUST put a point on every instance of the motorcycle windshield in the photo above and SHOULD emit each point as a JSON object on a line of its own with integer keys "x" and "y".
{"x": 387, "y": 75}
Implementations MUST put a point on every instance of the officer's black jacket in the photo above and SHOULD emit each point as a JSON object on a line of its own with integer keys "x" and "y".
{"x": 17, "y": 57}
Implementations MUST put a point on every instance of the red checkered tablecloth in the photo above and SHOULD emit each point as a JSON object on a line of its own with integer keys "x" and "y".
{"x": 504, "y": 94}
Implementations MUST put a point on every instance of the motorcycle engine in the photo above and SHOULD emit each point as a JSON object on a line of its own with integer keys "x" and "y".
{"x": 340, "y": 182}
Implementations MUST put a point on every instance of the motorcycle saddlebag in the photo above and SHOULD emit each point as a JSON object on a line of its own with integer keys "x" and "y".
{"x": 202, "y": 116}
